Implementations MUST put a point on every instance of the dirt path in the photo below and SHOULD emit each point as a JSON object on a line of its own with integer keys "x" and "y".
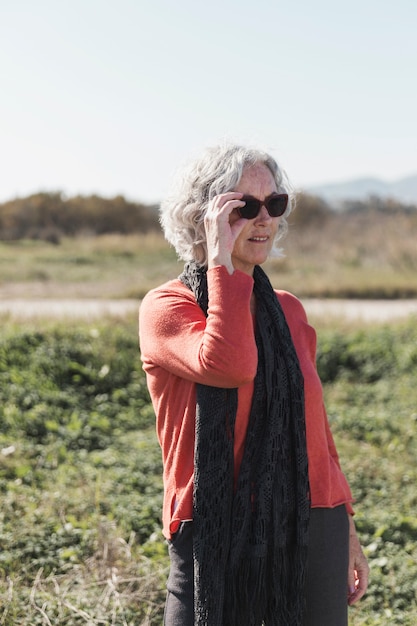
{"x": 366, "y": 310}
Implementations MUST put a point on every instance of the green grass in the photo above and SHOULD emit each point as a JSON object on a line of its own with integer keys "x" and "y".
{"x": 372, "y": 401}
{"x": 80, "y": 471}
{"x": 80, "y": 478}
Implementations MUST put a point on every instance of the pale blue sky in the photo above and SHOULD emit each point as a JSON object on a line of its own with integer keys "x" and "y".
{"x": 110, "y": 96}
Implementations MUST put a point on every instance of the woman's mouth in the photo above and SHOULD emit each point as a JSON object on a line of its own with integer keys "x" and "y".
{"x": 259, "y": 239}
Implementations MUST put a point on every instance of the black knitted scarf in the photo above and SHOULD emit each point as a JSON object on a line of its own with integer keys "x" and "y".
{"x": 250, "y": 543}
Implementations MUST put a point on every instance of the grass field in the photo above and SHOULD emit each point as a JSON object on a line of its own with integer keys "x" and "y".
{"x": 80, "y": 471}
{"x": 111, "y": 266}
{"x": 370, "y": 255}
{"x": 80, "y": 468}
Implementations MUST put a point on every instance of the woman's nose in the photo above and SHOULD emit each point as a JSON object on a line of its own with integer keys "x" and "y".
{"x": 263, "y": 214}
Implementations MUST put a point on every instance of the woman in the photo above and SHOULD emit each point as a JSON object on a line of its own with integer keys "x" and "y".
{"x": 257, "y": 511}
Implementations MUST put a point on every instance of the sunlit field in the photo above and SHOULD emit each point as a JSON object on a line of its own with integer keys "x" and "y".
{"x": 372, "y": 255}
{"x": 80, "y": 468}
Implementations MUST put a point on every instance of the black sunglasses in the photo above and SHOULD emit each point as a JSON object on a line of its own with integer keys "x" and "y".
{"x": 275, "y": 204}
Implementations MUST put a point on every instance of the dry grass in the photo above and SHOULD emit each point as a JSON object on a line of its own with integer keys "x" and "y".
{"x": 370, "y": 254}
{"x": 351, "y": 255}
{"x": 110, "y": 266}
{"x": 115, "y": 587}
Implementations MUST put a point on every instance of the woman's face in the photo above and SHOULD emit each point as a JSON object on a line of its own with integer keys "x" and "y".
{"x": 254, "y": 243}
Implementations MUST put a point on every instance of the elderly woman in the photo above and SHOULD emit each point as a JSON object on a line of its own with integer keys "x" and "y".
{"x": 257, "y": 511}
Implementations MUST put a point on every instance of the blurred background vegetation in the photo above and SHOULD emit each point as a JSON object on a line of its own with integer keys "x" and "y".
{"x": 80, "y": 466}
{"x": 51, "y": 216}
{"x": 52, "y": 246}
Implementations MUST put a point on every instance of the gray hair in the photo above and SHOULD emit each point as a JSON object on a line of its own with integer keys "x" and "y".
{"x": 217, "y": 171}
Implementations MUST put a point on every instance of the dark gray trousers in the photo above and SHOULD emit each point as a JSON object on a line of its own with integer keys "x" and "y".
{"x": 327, "y": 567}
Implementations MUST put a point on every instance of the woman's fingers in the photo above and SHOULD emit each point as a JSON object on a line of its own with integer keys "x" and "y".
{"x": 358, "y": 576}
{"x": 221, "y": 234}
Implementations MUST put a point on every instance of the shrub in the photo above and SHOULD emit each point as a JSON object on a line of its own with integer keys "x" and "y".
{"x": 80, "y": 472}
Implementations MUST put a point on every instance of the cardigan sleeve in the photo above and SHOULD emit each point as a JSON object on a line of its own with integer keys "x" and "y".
{"x": 217, "y": 350}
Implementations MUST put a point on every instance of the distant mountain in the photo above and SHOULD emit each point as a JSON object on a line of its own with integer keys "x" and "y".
{"x": 404, "y": 190}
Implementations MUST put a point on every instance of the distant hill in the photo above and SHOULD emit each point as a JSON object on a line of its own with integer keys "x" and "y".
{"x": 403, "y": 190}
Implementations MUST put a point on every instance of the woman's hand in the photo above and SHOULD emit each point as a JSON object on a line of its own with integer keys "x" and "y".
{"x": 221, "y": 231}
{"x": 358, "y": 575}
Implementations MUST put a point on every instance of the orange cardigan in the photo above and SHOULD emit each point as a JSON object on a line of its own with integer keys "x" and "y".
{"x": 181, "y": 347}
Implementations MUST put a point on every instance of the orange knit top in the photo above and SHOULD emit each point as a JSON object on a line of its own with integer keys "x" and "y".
{"x": 181, "y": 347}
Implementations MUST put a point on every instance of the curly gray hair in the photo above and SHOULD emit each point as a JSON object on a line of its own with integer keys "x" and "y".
{"x": 217, "y": 171}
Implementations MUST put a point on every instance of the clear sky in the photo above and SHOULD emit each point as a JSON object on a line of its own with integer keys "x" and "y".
{"x": 110, "y": 96}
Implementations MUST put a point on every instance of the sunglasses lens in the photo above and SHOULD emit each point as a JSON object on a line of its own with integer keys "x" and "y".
{"x": 251, "y": 208}
{"x": 277, "y": 205}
